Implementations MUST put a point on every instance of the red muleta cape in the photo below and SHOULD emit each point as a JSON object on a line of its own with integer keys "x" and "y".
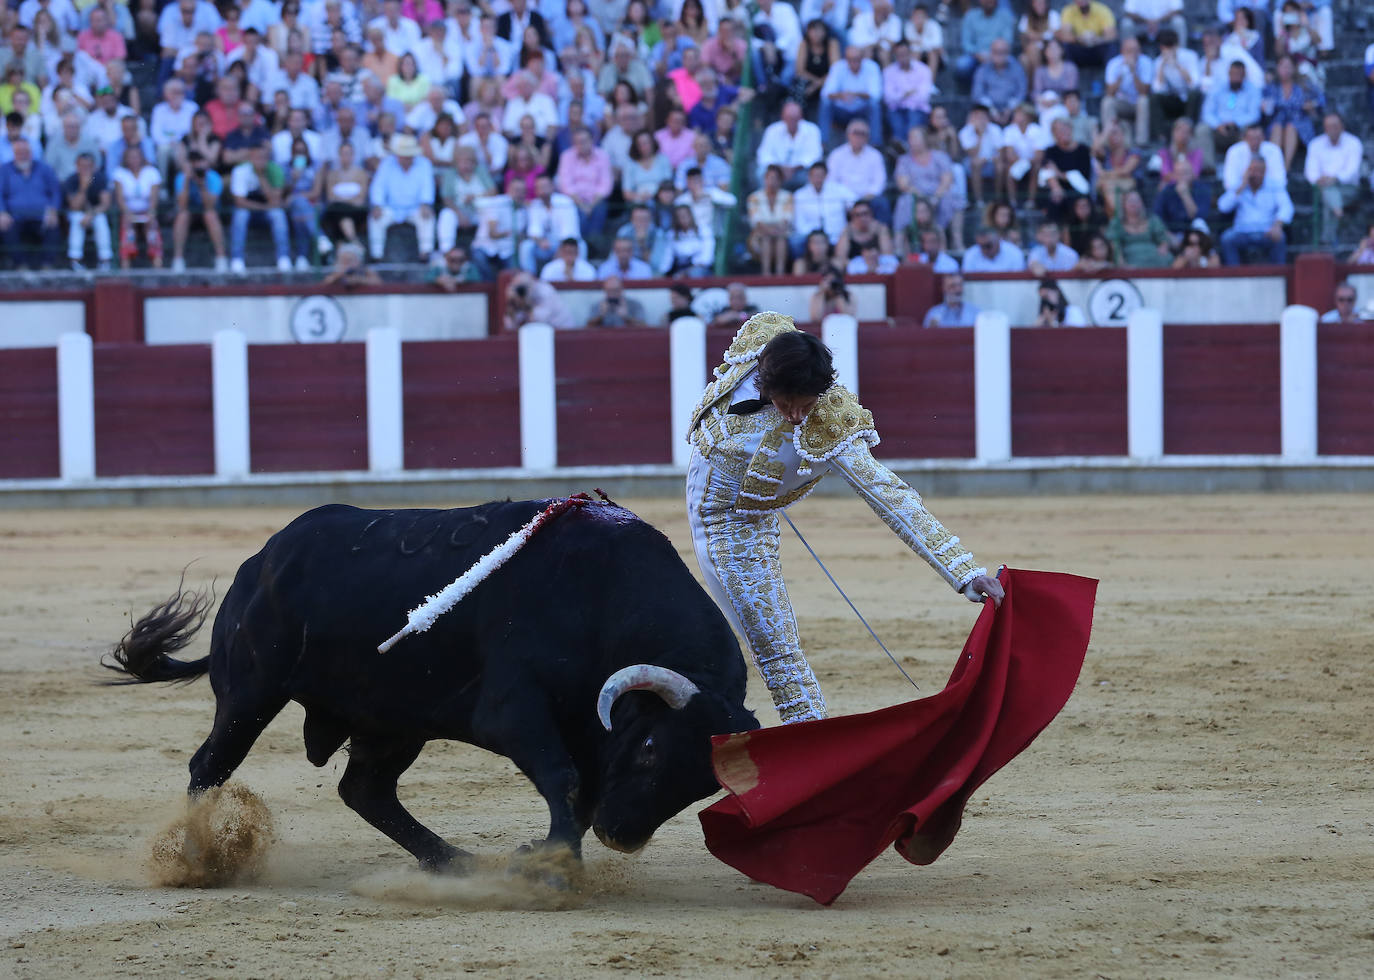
{"x": 811, "y": 804}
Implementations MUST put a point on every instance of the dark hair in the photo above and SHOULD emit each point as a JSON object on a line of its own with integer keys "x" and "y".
{"x": 568, "y": 241}
{"x": 1168, "y": 38}
{"x": 795, "y": 363}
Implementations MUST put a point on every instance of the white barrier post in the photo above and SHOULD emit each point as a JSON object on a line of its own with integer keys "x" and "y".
{"x": 840, "y": 332}
{"x": 687, "y": 376}
{"x": 1145, "y": 384}
{"x": 76, "y": 406}
{"x": 229, "y": 385}
{"x": 992, "y": 387}
{"x": 538, "y": 398}
{"x": 385, "y": 411}
{"x": 1298, "y": 381}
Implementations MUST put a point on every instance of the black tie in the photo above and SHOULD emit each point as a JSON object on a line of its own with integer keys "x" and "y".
{"x": 749, "y": 406}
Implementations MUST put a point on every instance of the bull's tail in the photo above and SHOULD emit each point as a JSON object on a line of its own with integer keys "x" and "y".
{"x": 142, "y": 654}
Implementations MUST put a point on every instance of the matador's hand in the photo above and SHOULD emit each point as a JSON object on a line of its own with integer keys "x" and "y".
{"x": 988, "y": 587}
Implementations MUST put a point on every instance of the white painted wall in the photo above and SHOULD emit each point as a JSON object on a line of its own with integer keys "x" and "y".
{"x": 267, "y": 319}
{"x": 40, "y": 323}
{"x": 870, "y": 300}
{"x": 1248, "y": 299}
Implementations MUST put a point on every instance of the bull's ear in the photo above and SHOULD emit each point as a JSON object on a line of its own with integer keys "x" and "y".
{"x": 672, "y": 687}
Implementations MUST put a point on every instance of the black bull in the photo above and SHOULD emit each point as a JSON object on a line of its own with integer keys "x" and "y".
{"x": 517, "y": 667}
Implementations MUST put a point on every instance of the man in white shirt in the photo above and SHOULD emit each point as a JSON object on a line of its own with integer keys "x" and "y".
{"x": 490, "y": 55}
{"x": 567, "y": 265}
{"x": 820, "y": 204}
{"x": 875, "y": 31}
{"x": 1250, "y": 145}
{"x": 1049, "y": 253}
{"x": 1333, "y": 167}
{"x": 1128, "y": 79}
{"x": 853, "y": 89}
{"x": 103, "y": 124}
{"x": 171, "y": 120}
{"x": 1148, "y": 18}
{"x": 400, "y": 34}
{"x": 860, "y": 167}
{"x": 553, "y": 218}
{"x": 436, "y": 103}
{"x": 993, "y": 254}
{"x": 981, "y": 139}
{"x": 528, "y": 102}
{"x": 1176, "y": 86}
{"x": 439, "y": 59}
{"x": 297, "y": 125}
{"x": 492, "y": 148}
{"x": 1344, "y": 311}
{"x": 792, "y": 143}
{"x": 302, "y": 91}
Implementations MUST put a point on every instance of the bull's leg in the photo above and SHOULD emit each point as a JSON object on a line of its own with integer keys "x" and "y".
{"x": 369, "y": 788}
{"x": 239, "y": 720}
{"x": 537, "y": 749}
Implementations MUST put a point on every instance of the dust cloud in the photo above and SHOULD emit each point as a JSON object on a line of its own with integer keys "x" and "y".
{"x": 219, "y": 839}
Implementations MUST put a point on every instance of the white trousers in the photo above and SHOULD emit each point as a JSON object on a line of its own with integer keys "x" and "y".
{"x": 76, "y": 236}
{"x": 377, "y": 228}
{"x": 742, "y": 567}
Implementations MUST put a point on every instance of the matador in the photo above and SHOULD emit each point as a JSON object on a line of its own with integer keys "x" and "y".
{"x": 770, "y": 426}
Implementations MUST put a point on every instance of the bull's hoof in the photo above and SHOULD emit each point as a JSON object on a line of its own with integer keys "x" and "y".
{"x": 553, "y": 864}
{"x": 454, "y": 861}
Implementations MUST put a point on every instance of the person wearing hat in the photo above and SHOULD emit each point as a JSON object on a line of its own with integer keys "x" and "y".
{"x": 402, "y": 191}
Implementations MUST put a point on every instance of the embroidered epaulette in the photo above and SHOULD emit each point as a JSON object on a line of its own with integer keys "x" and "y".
{"x": 740, "y": 358}
{"x": 836, "y": 421}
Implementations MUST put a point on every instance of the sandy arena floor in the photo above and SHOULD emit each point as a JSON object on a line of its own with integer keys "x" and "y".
{"x": 1204, "y": 806}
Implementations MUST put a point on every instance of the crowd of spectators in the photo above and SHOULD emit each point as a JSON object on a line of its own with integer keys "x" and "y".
{"x": 596, "y": 140}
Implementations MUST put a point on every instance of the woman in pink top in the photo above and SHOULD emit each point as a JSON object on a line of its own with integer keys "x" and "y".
{"x": 228, "y": 33}
{"x": 423, "y": 11}
{"x": 1180, "y": 146}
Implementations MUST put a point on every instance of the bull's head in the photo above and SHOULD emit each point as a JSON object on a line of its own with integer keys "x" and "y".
{"x": 657, "y": 759}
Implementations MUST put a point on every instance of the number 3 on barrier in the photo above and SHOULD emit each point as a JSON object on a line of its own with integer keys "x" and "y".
{"x": 1112, "y": 302}
{"x": 318, "y": 320}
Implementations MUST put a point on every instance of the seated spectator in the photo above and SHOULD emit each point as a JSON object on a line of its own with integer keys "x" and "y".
{"x": 297, "y": 127}
{"x": 491, "y": 147}
{"x": 704, "y": 201}
{"x": 409, "y": 87}
{"x": 1049, "y": 253}
{"x": 1084, "y": 125}
{"x": 1055, "y": 75}
{"x": 377, "y": 105}
{"x": 952, "y": 311}
{"x": 402, "y": 191}
{"x": 1087, "y": 29}
{"x": 223, "y": 108}
{"x": 260, "y": 63}
{"x": 645, "y": 169}
{"x": 1139, "y": 239}
{"x": 1176, "y": 85}
{"x": 345, "y": 196}
{"x": 852, "y": 93}
{"x": 87, "y": 196}
{"x": 715, "y": 172}
{"x": 615, "y": 309}
{"x": 553, "y": 218}
{"x": 675, "y": 139}
{"x": 1036, "y": 29}
{"x": 980, "y": 27}
{"x": 1333, "y": 167}
{"x": 817, "y": 256}
{"x": 723, "y": 139}
{"x": 257, "y": 187}
{"x": 1096, "y": 255}
{"x": 871, "y": 262}
{"x": 792, "y": 143}
{"x": 171, "y": 121}
{"x": 862, "y": 227}
{"x": 679, "y": 304}
{"x": 926, "y": 37}
{"x": 1055, "y": 309}
{"x": 1196, "y": 251}
{"x": 926, "y": 174}
{"x": 692, "y": 248}
{"x": 1117, "y": 163}
{"x": 818, "y": 51}
{"x": 1023, "y": 150}
{"x": 933, "y": 254}
{"x": 1291, "y": 110}
{"x": 198, "y": 187}
{"x": 1344, "y": 311}
{"x": 501, "y": 220}
{"x": 714, "y": 97}
{"x": 1296, "y": 37}
{"x": 1184, "y": 202}
{"x": 737, "y": 310}
{"x": 876, "y": 32}
{"x": 1369, "y": 77}
{"x": 625, "y": 65}
{"x": 1230, "y": 108}
{"x": 529, "y": 101}
{"x": 907, "y": 86}
{"x": 1147, "y": 20}
{"x": 861, "y": 168}
{"x": 650, "y": 241}
{"x": 725, "y": 51}
{"x": 529, "y": 300}
{"x": 1253, "y": 144}
{"x": 584, "y": 174}
{"x": 999, "y": 84}
{"x": 770, "y": 222}
{"x": 567, "y": 265}
{"x": 1364, "y": 252}
{"x": 351, "y": 269}
{"x": 1181, "y": 146}
{"x": 1085, "y": 221}
{"x": 101, "y": 39}
{"x": 623, "y": 263}
{"x": 63, "y": 149}
{"x": 1001, "y": 217}
{"x": 993, "y": 254}
{"x": 1262, "y": 210}
{"x": 243, "y": 138}
{"x": 1065, "y": 170}
{"x": 981, "y": 141}
{"x": 831, "y": 296}
{"x": 524, "y": 167}
{"x": 137, "y": 188}
{"x": 1216, "y": 61}
{"x": 304, "y": 191}
{"x": 1129, "y": 77}
{"x": 821, "y": 205}
{"x": 131, "y": 134}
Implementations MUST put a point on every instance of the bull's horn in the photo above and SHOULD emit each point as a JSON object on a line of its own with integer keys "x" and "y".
{"x": 672, "y": 687}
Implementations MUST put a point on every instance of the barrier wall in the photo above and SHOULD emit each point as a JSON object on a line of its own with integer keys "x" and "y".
{"x": 28, "y": 413}
{"x": 1345, "y": 389}
{"x": 461, "y": 404}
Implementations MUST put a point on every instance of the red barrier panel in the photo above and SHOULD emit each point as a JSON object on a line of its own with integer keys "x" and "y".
{"x": 154, "y": 410}
{"x": 1221, "y": 389}
{"x": 919, "y": 386}
{"x": 461, "y": 403}
{"x": 1068, "y": 392}
{"x": 613, "y": 397}
{"x": 307, "y": 407}
{"x": 28, "y": 413}
{"x": 1345, "y": 389}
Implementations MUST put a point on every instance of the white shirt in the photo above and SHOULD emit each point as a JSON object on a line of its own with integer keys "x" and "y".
{"x": 263, "y": 70}
{"x": 555, "y": 221}
{"x": 1238, "y": 158}
{"x": 492, "y": 154}
{"x": 445, "y": 65}
{"x": 1063, "y": 260}
{"x": 556, "y": 271}
{"x": 539, "y": 106}
{"x": 1340, "y": 160}
{"x": 931, "y": 37}
{"x": 168, "y": 124}
{"x": 405, "y": 36}
{"x": 983, "y": 147}
{"x": 105, "y": 129}
{"x": 500, "y": 209}
{"x": 422, "y": 116}
{"x": 138, "y": 188}
{"x": 1216, "y": 73}
{"x": 866, "y": 34}
{"x": 303, "y": 93}
{"x": 1153, "y": 9}
{"x": 1188, "y": 62}
{"x": 787, "y": 32}
{"x": 788, "y": 150}
{"x": 1009, "y": 258}
{"x": 826, "y": 209}
{"x": 281, "y": 145}
{"x": 1027, "y": 142}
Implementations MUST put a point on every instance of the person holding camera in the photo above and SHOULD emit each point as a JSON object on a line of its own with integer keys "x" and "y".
{"x": 831, "y": 297}
{"x": 528, "y": 300}
{"x": 1055, "y": 309}
{"x": 615, "y": 309}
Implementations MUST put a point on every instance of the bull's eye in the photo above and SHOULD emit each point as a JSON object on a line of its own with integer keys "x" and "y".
{"x": 646, "y": 750}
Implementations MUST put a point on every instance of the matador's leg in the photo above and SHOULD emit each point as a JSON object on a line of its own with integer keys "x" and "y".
{"x": 743, "y": 556}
